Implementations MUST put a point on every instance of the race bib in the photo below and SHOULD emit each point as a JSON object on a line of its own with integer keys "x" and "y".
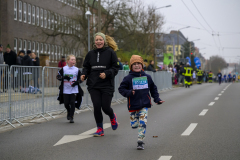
{"x": 140, "y": 83}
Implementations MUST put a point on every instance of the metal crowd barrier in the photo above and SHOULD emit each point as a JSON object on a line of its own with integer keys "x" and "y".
{"x": 32, "y": 91}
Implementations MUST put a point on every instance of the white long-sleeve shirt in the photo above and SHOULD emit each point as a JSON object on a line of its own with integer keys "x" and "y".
{"x": 72, "y": 72}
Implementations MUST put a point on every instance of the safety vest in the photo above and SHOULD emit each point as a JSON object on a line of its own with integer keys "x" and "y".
{"x": 210, "y": 75}
{"x": 199, "y": 72}
{"x": 188, "y": 71}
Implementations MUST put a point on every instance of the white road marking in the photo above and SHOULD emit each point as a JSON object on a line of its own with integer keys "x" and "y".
{"x": 212, "y": 103}
{"x": 87, "y": 134}
{"x": 203, "y": 112}
{"x": 189, "y": 130}
{"x": 216, "y": 98}
{"x": 219, "y": 94}
{"x": 165, "y": 158}
{"x": 222, "y": 92}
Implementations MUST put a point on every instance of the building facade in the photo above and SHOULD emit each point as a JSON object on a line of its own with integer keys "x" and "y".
{"x": 25, "y": 25}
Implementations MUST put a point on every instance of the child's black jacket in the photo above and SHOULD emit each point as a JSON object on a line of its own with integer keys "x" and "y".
{"x": 79, "y": 96}
{"x": 141, "y": 98}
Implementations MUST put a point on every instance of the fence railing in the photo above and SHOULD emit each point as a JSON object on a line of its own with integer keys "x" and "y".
{"x": 32, "y": 91}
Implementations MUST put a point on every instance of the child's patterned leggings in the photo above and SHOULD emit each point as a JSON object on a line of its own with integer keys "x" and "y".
{"x": 138, "y": 119}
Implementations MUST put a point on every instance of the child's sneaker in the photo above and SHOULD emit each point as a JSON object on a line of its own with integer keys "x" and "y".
{"x": 140, "y": 145}
{"x": 114, "y": 122}
{"x": 99, "y": 132}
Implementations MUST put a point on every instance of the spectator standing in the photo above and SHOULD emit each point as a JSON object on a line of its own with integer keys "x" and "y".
{"x": 36, "y": 62}
{"x": 62, "y": 63}
{"x": 120, "y": 64}
{"x": 151, "y": 66}
{"x": 181, "y": 76}
{"x": 10, "y": 58}
{"x": 20, "y": 56}
{"x": 145, "y": 64}
{"x": 27, "y": 71}
{"x": 19, "y": 81}
{"x": 100, "y": 68}
{"x": 126, "y": 66}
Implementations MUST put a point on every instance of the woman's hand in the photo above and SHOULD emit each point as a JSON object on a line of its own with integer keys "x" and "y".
{"x": 82, "y": 77}
{"x": 102, "y": 75}
{"x": 133, "y": 92}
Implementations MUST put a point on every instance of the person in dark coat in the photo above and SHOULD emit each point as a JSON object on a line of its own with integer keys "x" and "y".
{"x": 100, "y": 68}
{"x": 120, "y": 64}
{"x": 10, "y": 58}
{"x": 151, "y": 66}
{"x": 27, "y": 70}
{"x": 36, "y": 62}
{"x": 136, "y": 88}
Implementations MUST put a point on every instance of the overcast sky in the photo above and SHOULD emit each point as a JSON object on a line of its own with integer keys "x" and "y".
{"x": 221, "y": 16}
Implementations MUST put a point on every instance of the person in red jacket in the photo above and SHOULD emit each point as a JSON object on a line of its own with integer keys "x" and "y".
{"x": 62, "y": 63}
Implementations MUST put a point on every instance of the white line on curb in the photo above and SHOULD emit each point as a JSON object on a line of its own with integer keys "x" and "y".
{"x": 216, "y": 98}
{"x": 203, "y": 112}
{"x": 165, "y": 158}
{"x": 189, "y": 130}
{"x": 212, "y": 103}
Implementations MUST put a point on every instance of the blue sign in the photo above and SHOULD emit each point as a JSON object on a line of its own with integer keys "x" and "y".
{"x": 197, "y": 62}
{"x": 189, "y": 61}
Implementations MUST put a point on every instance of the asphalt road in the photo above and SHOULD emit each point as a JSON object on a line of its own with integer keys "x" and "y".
{"x": 182, "y": 133}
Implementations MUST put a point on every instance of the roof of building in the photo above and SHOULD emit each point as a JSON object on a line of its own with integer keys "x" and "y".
{"x": 173, "y": 36}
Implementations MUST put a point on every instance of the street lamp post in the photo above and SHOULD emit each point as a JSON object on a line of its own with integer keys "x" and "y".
{"x": 154, "y": 36}
{"x": 88, "y": 14}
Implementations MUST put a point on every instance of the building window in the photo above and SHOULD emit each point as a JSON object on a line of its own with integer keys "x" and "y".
{"x": 25, "y": 45}
{"x": 176, "y": 48}
{"x": 59, "y": 52}
{"x": 59, "y": 23}
{"x": 56, "y": 23}
{"x": 45, "y": 19}
{"x": 49, "y": 20}
{"x": 73, "y": 3}
{"x": 56, "y": 53}
{"x": 169, "y": 48}
{"x": 15, "y": 9}
{"x": 74, "y": 27}
{"x": 45, "y": 48}
{"x": 33, "y": 47}
{"x": 41, "y": 48}
{"x": 29, "y": 13}
{"x": 52, "y": 54}
{"x": 41, "y": 17}
{"x": 37, "y": 16}
{"x": 62, "y": 23}
{"x": 20, "y": 44}
{"x": 15, "y": 45}
{"x": 37, "y": 49}
{"x": 24, "y": 12}
{"x": 20, "y": 11}
{"x": 49, "y": 49}
{"x": 29, "y": 45}
{"x": 65, "y": 24}
{"x": 33, "y": 15}
{"x": 52, "y": 21}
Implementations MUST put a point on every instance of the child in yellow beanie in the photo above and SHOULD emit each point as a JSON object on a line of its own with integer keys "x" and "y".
{"x": 136, "y": 87}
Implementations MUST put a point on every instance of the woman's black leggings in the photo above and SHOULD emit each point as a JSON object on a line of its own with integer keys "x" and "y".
{"x": 101, "y": 100}
{"x": 69, "y": 103}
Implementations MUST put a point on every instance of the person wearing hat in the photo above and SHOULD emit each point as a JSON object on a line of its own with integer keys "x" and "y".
{"x": 62, "y": 63}
{"x": 136, "y": 87}
{"x": 188, "y": 72}
{"x": 100, "y": 68}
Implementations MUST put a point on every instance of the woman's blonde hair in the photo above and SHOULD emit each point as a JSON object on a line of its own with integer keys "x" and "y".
{"x": 109, "y": 41}
{"x": 69, "y": 56}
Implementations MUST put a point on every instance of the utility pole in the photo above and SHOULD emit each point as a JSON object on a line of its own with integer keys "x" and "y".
{"x": 154, "y": 40}
{"x": 99, "y": 15}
